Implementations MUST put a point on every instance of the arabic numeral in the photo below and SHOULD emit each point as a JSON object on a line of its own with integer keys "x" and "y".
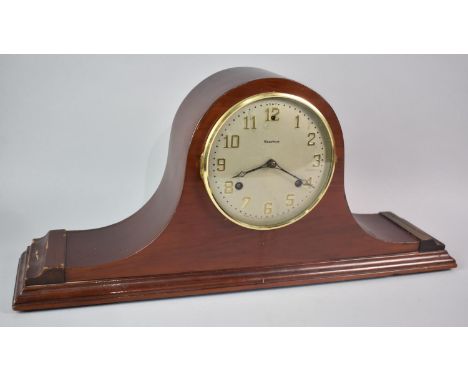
{"x": 249, "y": 122}
{"x": 231, "y": 141}
{"x": 272, "y": 114}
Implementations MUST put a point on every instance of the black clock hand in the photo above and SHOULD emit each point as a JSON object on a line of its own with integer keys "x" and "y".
{"x": 299, "y": 182}
{"x": 271, "y": 163}
{"x": 287, "y": 172}
{"x": 244, "y": 173}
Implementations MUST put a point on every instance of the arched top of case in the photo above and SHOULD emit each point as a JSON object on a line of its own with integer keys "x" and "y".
{"x": 197, "y": 113}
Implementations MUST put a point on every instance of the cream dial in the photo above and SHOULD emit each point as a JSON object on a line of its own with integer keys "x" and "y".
{"x": 268, "y": 160}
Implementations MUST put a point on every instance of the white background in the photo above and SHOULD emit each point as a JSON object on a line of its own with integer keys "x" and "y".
{"x": 83, "y": 142}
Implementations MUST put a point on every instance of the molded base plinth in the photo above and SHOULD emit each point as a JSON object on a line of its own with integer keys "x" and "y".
{"x": 68, "y": 294}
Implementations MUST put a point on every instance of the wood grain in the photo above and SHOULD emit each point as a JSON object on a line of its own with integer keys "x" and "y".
{"x": 187, "y": 284}
{"x": 180, "y": 237}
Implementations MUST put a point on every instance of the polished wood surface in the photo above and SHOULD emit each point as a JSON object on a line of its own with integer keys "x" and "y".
{"x": 179, "y": 244}
{"x": 227, "y": 280}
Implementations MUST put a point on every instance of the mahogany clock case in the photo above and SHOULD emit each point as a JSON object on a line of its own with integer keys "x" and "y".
{"x": 178, "y": 244}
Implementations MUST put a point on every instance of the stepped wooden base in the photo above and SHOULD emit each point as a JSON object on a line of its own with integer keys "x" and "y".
{"x": 68, "y": 294}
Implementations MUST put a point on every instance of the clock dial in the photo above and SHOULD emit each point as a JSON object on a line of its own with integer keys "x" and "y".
{"x": 268, "y": 161}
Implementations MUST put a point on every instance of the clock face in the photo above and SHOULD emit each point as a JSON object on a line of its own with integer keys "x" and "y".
{"x": 268, "y": 160}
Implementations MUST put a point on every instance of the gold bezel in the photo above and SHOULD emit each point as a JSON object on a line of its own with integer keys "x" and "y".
{"x": 204, "y": 168}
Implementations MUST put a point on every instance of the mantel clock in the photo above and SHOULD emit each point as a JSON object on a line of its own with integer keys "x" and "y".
{"x": 252, "y": 197}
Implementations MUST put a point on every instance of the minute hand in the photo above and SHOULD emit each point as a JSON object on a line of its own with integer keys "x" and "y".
{"x": 287, "y": 172}
{"x": 299, "y": 181}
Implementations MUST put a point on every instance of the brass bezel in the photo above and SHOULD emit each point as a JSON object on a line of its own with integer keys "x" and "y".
{"x": 204, "y": 168}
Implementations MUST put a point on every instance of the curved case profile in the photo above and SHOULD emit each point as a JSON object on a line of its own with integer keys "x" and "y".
{"x": 178, "y": 244}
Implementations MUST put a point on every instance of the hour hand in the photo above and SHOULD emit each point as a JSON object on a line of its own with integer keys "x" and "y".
{"x": 245, "y": 172}
{"x": 240, "y": 175}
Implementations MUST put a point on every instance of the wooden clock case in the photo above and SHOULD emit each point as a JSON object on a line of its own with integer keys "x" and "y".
{"x": 178, "y": 244}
